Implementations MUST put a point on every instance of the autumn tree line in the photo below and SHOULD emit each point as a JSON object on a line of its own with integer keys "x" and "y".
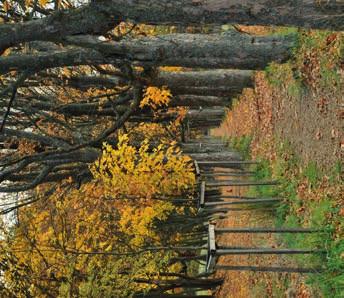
{"x": 96, "y": 100}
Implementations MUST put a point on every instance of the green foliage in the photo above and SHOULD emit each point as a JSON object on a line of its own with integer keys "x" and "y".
{"x": 298, "y": 212}
{"x": 315, "y": 65}
{"x": 284, "y": 76}
{"x": 311, "y": 172}
{"x": 242, "y": 145}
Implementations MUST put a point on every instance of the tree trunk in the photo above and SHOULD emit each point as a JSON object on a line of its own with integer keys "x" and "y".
{"x": 89, "y": 19}
{"x": 193, "y": 116}
{"x": 214, "y": 156}
{"x": 321, "y": 14}
{"x": 99, "y": 17}
{"x": 219, "y": 82}
{"x": 202, "y": 148}
{"x": 212, "y": 82}
{"x": 230, "y": 50}
{"x": 196, "y": 101}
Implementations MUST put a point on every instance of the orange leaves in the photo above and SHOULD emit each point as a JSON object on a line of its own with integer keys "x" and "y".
{"x": 6, "y": 5}
{"x": 43, "y": 3}
{"x": 171, "y": 68}
{"x": 155, "y": 97}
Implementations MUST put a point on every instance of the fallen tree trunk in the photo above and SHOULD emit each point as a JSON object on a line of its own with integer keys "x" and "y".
{"x": 219, "y": 82}
{"x": 230, "y": 50}
{"x": 193, "y": 101}
{"x": 216, "y": 156}
{"x": 98, "y": 17}
{"x": 202, "y": 115}
{"x": 321, "y": 14}
{"x": 206, "y": 82}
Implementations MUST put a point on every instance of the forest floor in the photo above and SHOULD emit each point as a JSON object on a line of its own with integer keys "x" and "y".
{"x": 292, "y": 121}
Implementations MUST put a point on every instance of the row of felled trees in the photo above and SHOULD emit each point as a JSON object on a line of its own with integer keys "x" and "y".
{"x": 108, "y": 221}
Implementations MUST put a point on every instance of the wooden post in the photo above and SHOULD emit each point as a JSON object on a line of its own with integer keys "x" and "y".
{"x": 211, "y": 260}
{"x": 188, "y": 129}
{"x": 183, "y": 132}
{"x": 198, "y": 172}
{"x": 265, "y": 230}
{"x": 202, "y": 193}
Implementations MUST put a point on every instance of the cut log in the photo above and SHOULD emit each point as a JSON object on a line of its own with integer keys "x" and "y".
{"x": 219, "y": 82}
{"x": 230, "y": 50}
{"x": 196, "y": 101}
{"x": 98, "y": 17}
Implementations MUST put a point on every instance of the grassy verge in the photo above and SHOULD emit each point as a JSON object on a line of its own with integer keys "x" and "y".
{"x": 311, "y": 199}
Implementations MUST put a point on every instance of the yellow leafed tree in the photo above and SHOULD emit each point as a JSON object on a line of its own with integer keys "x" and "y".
{"x": 85, "y": 243}
{"x": 155, "y": 97}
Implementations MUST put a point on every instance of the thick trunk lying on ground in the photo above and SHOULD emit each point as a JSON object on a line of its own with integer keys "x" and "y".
{"x": 322, "y": 14}
{"x": 100, "y": 16}
{"x": 193, "y": 115}
{"x": 216, "y": 156}
{"x": 209, "y": 78}
{"x": 202, "y": 148}
{"x": 201, "y": 115}
{"x": 230, "y": 50}
{"x": 196, "y": 101}
{"x": 219, "y": 82}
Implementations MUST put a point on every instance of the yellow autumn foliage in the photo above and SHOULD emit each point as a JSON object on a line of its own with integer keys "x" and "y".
{"x": 139, "y": 172}
{"x": 127, "y": 172}
{"x": 155, "y": 97}
{"x": 118, "y": 212}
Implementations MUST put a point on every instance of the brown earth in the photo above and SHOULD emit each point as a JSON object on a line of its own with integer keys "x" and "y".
{"x": 313, "y": 126}
{"x": 244, "y": 284}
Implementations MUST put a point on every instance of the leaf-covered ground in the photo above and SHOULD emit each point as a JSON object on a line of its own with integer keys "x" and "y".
{"x": 293, "y": 122}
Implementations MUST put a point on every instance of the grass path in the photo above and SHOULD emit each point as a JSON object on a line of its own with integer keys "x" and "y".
{"x": 293, "y": 122}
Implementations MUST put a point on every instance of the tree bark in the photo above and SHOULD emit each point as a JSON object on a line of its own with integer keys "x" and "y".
{"x": 300, "y": 13}
{"x": 230, "y": 50}
{"x": 193, "y": 116}
{"x": 220, "y": 82}
{"x": 202, "y": 148}
{"x": 196, "y": 101}
{"x": 214, "y": 156}
{"x": 88, "y": 19}
{"x": 99, "y": 17}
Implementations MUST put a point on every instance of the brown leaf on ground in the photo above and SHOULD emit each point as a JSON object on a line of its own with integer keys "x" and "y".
{"x": 318, "y": 135}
